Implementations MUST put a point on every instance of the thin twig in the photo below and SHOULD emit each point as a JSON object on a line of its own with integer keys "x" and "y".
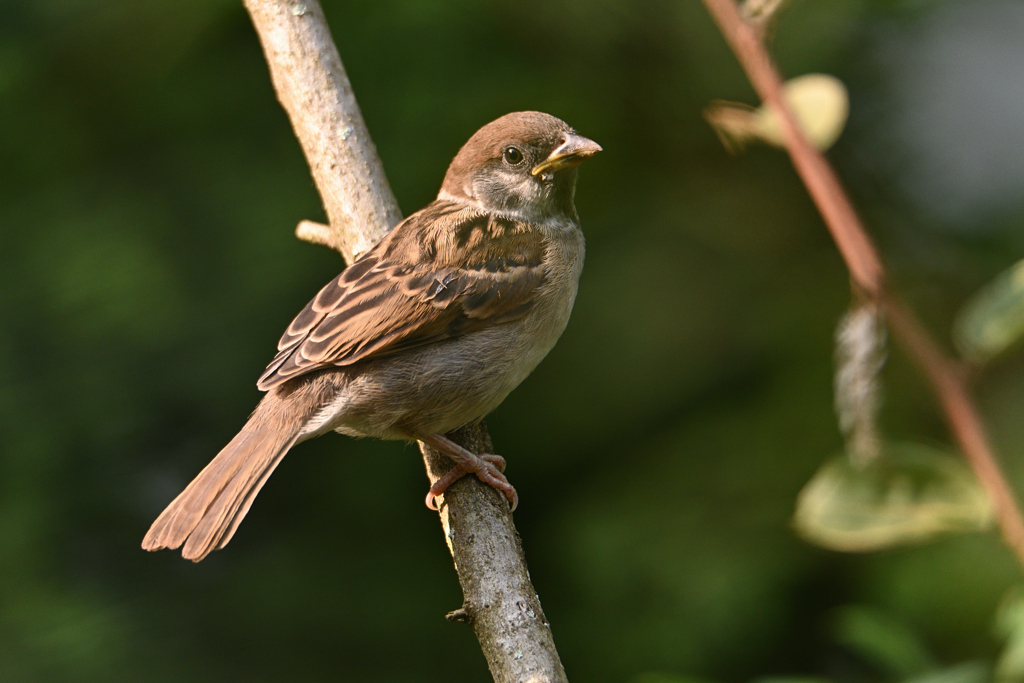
{"x": 869, "y": 275}
{"x": 317, "y": 233}
{"x": 310, "y": 81}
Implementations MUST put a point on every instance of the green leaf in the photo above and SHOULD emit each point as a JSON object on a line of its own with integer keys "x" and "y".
{"x": 662, "y": 677}
{"x": 882, "y": 640}
{"x": 791, "y": 679}
{"x": 908, "y": 495}
{"x": 993, "y": 319}
{"x": 1010, "y": 626}
{"x": 820, "y": 104}
{"x": 965, "y": 672}
{"x": 1010, "y": 666}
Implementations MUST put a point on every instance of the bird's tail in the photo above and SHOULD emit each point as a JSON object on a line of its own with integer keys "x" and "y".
{"x": 205, "y": 515}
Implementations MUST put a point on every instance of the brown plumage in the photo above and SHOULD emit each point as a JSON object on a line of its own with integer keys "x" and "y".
{"x": 427, "y": 332}
{"x": 446, "y": 271}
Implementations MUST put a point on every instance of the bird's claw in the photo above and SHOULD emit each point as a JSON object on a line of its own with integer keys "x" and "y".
{"x": 490, "y": 472}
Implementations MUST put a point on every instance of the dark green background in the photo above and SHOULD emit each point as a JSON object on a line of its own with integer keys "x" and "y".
{"x": 149, "y": 187}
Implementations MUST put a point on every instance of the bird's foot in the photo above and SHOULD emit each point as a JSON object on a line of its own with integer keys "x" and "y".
{"x": 488, "y": 468}
{"x": 490, "y": 473}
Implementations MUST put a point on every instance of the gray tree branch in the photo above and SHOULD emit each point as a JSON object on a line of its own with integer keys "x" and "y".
{"x": 499, "y": 600}
{"x": 314, "y": 90}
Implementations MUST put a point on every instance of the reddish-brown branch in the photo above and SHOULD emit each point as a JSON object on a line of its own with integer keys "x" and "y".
{"x": 869, "y": 275}
{"x": 962, "y": 416}
{"x": 814, "y": 169}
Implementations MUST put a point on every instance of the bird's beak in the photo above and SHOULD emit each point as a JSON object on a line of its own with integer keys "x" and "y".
{"x": 572, "y": 152}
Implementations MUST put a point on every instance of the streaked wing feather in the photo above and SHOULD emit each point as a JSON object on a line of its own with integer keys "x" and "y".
{"x": 444, "y": 272}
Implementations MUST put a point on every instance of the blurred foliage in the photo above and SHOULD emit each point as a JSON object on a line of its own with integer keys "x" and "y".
{"x": 148, "y": 192}
{"x": 1010, "y": 626}
{"x": 908, "y": 494}
{"x": 819, "y": 103}
{"x": 993, "y": 319}
{"x": 889, "y": 645}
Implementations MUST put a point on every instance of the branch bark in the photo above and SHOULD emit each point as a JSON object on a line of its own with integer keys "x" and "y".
{"x": 868, "y": 274}
{"x": 312, "y": 86}
{"x": 314, "y": 90}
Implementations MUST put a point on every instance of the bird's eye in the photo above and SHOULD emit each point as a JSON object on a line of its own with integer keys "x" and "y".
{"x": 512, "y": 156}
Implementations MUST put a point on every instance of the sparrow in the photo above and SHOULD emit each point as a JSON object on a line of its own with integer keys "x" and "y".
{"x": 427, "y": 332}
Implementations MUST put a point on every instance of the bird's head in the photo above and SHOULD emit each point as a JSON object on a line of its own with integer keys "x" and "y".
{"x": 523, "y": 163}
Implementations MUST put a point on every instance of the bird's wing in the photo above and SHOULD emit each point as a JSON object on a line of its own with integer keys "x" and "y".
{"x": 445, "y": 271}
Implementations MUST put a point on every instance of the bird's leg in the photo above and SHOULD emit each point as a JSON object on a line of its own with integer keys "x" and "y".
{"x": 487, "y": 467}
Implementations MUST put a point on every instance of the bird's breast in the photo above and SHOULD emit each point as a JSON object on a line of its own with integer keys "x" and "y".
{"x": 445, "y": 385}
